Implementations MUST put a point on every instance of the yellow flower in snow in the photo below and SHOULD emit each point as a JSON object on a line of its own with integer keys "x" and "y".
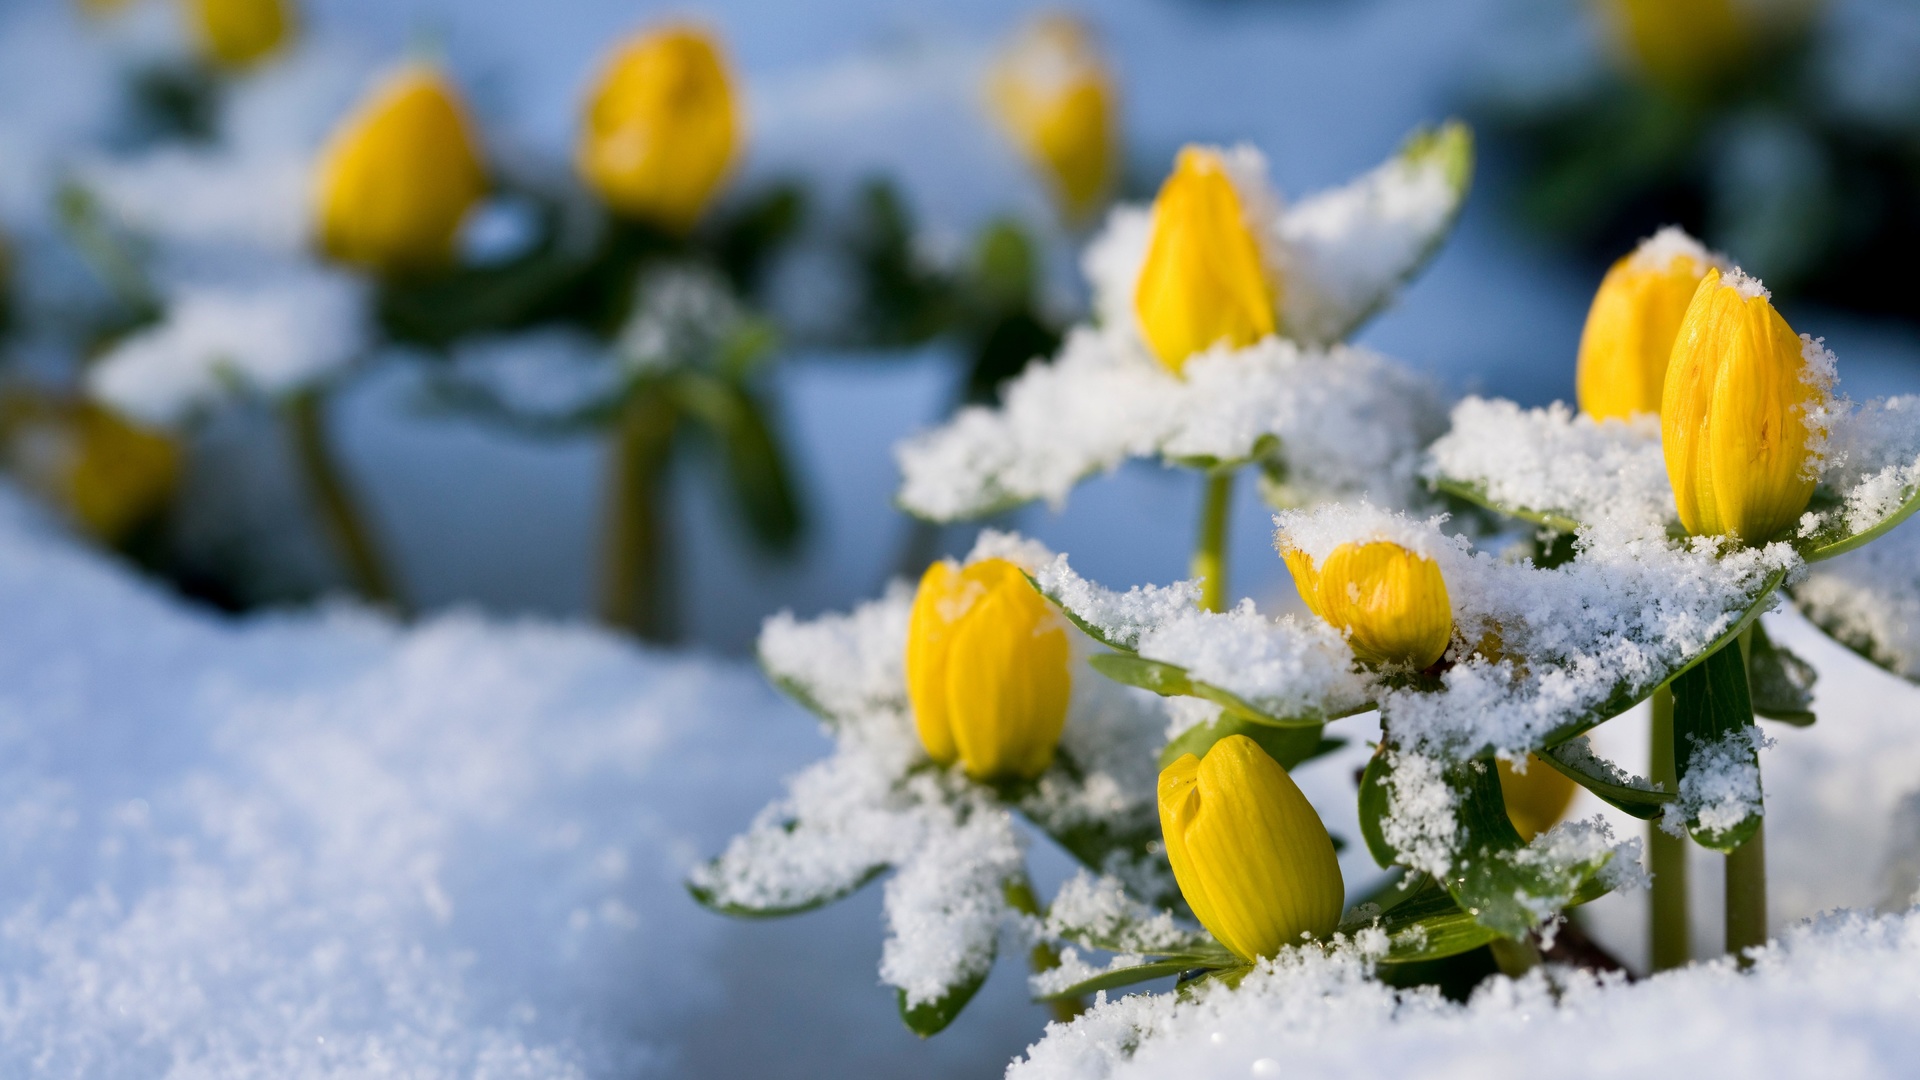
{"x": 1734, "y": 420}
{"x": 110, "y": 474}
{"x": 1537, "y": 800}
{"x": 1391, "y": 602}
{"x": 987, "y": 670}
{"x": 660, "y": 127}
{"x": 1203, "y": 282}
{"x": 399, "y": 175}
{"x": 1631, "y": 326}
{"x": 1248, "y": 851}
{"x": 240, "y": 33}
{"x": 1053, "y": 93}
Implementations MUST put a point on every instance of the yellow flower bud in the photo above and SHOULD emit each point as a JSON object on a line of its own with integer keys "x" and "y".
{"x": 1203, "y": 282}
{"x": 660, "y": 127}
{"x": 399, "y": 174}
{"x": 1052, "y": 92}
{"x": 240, "y": 33}
{"x": 1248, "y": 851}
{"x": 987, "y": 670}
{"x": 107, "y": 472}
{"x": 1631, "y": 326}
{"x": 1538, "y": 800}
{"x": 1679, "y": 45}
{"x": 1733, "y": 419}
{"x": 1391, "y": 603}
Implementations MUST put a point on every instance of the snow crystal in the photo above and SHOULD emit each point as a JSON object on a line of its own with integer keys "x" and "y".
{"x": 1551, "y": 461}
{"x": 275, "y": 335}
{"x": 848, "y": 665}
{"x": 1101, "y": 910}
{"x": 1874, "y": 454}
{"x": 1721, "y": 787}
{"x": 1833, "y": 997}
{"x": 1658, "y": 251}
{"x": 1869, "y": 600}
{"x": 1419, "y": 823}
{"x": 1348, "y": 422}
{"x": 1745, "y": 284}
{"x": 946, "y": 906}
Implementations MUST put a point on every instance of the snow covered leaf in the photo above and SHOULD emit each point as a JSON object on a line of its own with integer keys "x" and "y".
{"x": 1290, "y": 746}
{"x": 1126, "y": 974}
{"x": 1168, "y": 680}
{"x": 1872, "y": 482}
{"x": 1717, "y": 749}
{"x": 1780, "y": 682}
{"x": 932, "y": 1017}
{"x": 1869, "y": 601}
{"x": 1576, "y": 760}
{"x": 1424, "y": 922}
{"x": 1102, "y": 914}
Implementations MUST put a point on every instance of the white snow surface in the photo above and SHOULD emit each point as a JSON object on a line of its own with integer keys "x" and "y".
{"x": 324, "y": 846}
{"x": 288, "y": 328}
{"x": 1552, "y": 461}
{"x": 1832, "y": 997}
{"x": 1348, "y": 420}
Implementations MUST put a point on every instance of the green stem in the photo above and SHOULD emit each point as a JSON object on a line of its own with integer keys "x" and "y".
{"x": 632, "y": 585}
{"x": 1670, "y": 942}
{"x": 1747, "y": 895}
{"x": 1019, "y": 893}
{"x": 307, "y": 415}
{"x": 1210, "y": 555}
{"x": 1514, "y": 958}
{"x": 1747, "y": 875}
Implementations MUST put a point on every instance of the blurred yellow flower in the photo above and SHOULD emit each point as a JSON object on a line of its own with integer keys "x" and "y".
{"x": 399, "y": 174}
{"x": 660, "y": 127}
{"x": 1734, "y": 416}
{"x": 1537, "y": 800}
{"x": 1248, "y": 851}
{"x": 1391, "y": 602}
{"x": 96, "y": 9}
{"x": 109, "y": 474}
{"x": 1631, "y": 326}
{"x": 1203, "y": 282}
{"x": 987, "y": 670}
{"x": 1052, "y": 92}
{"x": 240, "y": 33}
{"x": 1679, "y": 45}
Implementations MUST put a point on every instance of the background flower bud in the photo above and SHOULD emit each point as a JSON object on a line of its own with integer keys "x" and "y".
{"x": 398, "y": 175}
{"x": 1630, "y": 328}
{"x": 1733, "y": 419}
{"x": 1203, "y": 282}
{"x": 1391, "y": 602}
{"x": 660, "y": 127}
{"x": 1052, "y": 92}
{"x": 240, "y": 33}
{"x": 1248, "y": 851}
{"x": 1678, "y": 45}
{"x": 987, "y": 670}
{"x": 1537, "y": 800}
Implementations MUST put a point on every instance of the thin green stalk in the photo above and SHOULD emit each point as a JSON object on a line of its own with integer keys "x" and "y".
{"x": 1670, "y": 942}
{"x": 1514, "y": 958}
{"x": 307, "y": 416}
{"x": 633, "y": 544}
{"x": 1747, "y": 895}
{"x": 1747, "y": 874}
{"x": 1019, "y": 893}
{"x": 1210, "y": 554}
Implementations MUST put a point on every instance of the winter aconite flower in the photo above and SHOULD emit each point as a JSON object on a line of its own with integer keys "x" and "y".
{"x": 399, "y": 174}
{"x": 660, "y": 127}
{"x": 1631, "y": 326}
{"x": 1052, "y": 92}
{"x": 1391, "y": 602}
{"x": 1248, "y": 851}
{"x": 240, "y": 33}
{"x": 1204, "y": 282}
{"x": 987, "y": 670}
{"x": 109, "y": 474}
{"x": 1734, "y": 420}
{"x": 1537, "y": 799}
{"x": 1679, "y": 45}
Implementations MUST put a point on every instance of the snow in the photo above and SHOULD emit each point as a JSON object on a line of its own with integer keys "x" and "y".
{"x": 1553, "y": 461}
{"x": 1833, "y": 997}
{"x": 1869, "y": 599}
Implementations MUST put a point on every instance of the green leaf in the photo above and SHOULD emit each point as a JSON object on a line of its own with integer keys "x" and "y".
{"x": 1424, "y": 923}
{"x": 1711, "y": 707}
{"x": 1171, "y": 680}
{"x": 1780, "y": 682}
{"x": 1373, "y": 810}
{"x": 705, "y": 898}
{"x": 1289, "y": 746}
{"x": 932, "y": 1017}
{"x": 1495, "y": 877}
{"x": 1835, "y": 540}
{"x": 1575, "y": 760}
{"x": 1119, "y": 977}
{"x": 755, "y": 461}
{"x": 1476, "y": 494}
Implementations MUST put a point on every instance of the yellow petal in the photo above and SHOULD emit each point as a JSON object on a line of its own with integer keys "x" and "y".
{"x": 1679, "y": 45}
{"x": 929, "y": 630}
{"x": 1306, "y": 580}
{"x": 240, "y": 33}
{"x": 399, "y": 175}
{"x": 1734, "y": 415}
{"x": 1248, "y": 851}
{"x": 1203, "y": 283}
{"x": 1630, "y": 332}
{"x": 659, "y": 129}
{"x": 1052, "y": 91}
{"x": 1538, "y": 800}
{"x": 1392, "y": 603}
{"x": 1008, "y": 680}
